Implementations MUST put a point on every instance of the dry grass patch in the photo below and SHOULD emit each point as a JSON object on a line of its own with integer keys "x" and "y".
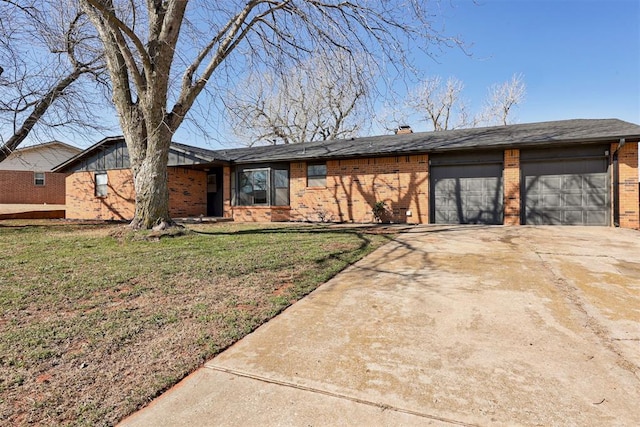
{"x": 95, "y": 324}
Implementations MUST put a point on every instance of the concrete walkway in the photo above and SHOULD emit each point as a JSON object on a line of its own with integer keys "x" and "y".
{"x": 36, "y": 211}
{"x": 20, "y": 208}
{"x": 444, "y": 326}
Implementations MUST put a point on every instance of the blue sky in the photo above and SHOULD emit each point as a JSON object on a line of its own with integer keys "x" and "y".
{"x": 579, "y": 58}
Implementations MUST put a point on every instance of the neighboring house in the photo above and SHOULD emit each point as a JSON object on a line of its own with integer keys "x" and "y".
{"x": 564, "y": 172}
{"x": 26, "y": 177}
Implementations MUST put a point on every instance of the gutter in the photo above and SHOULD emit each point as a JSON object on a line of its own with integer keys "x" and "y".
{"x": 616, "y": 184}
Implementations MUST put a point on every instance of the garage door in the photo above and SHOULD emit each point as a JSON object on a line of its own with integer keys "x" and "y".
{"x": 565, "y": 186}
{"x": 466, "y": 189}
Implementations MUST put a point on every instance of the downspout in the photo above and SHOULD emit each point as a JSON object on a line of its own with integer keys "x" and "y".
{"x": 616, "y": 184}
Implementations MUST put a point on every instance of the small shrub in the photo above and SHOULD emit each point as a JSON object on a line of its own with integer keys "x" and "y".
{"x": 380, "y": 212}
{"x": 324, "y": 216}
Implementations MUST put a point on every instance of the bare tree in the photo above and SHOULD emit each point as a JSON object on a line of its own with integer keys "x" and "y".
{"x": 144, "y": 51}
{"x": 45, "y": 51}
{"x": 392, "y": 115}
{"x": 502, "y": 99}
{"x": 322, "y": 98}
{"x": 440, "y": 103}
{"x": 442, "y": 106}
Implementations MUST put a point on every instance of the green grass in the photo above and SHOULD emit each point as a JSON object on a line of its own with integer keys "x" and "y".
{"x": 93, "y": 326}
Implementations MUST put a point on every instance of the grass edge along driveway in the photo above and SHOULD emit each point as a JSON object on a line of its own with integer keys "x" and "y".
{"x": 95, "y": 323}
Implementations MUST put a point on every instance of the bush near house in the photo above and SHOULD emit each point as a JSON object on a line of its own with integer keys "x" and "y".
{"x": 96, "y": 323}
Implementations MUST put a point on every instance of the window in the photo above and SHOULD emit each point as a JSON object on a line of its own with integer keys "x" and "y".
{"x": 267, "y": 186}
{"x": 316, "y": 175}
{"x": 212, "y": 183}
{"x": 38, "y": 179}
{"x": 102, "y": 181}
{"x": 281, "y": 187}
{"x": 253, "y": 187}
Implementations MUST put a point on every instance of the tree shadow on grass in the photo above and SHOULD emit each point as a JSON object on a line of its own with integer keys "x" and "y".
{"x": 401, "y": 246}
{"x": 303, "y": 228}
{"x": 56, "y": 224}
{"x": 364, "y": 234}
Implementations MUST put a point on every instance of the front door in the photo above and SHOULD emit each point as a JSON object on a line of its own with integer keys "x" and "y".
{"x": 214, "y": 193}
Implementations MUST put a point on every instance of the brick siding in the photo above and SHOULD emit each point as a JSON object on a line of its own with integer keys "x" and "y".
{"x": 82, "y": 203}
{"x": 187, "y": 192}
{"x": 187, "y": 195}
{"x": 352, "y": 188}
{"x": 629, "y": 197}
{"x": 227, "y": 209}
{"x": 18, "y": 187}
{"x": 262, "y": 213}
{"x": 511, "y": 177}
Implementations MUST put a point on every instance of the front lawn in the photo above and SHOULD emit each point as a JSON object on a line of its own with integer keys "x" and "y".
{"x": 94, "y": 323}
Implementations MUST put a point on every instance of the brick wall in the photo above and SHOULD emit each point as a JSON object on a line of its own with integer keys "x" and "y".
{"x": 511, "y": 177}
{"x": 187, "y": 195}
{"x": 352, "y": 188}
{"x": 17, "y": 187}
{"x": 629, "y": 198}
{"x": 355, "y": 185}
{"x": 226, "y": 192}
{"x": 187, "y": 192}
{"x": 82, "y": 202}
{"x": 261, "y": 213}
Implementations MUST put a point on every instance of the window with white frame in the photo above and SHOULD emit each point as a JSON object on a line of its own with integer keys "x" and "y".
{"x": 101, "y": 183}
{"x": 38, "y": 179}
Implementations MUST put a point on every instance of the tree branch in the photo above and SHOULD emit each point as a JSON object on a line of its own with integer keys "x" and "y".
{"x": 39, "y": 110}
{"x": 106, "y": 21}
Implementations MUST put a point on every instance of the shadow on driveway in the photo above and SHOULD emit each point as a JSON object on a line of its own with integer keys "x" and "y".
{"x": 442, "y": 326}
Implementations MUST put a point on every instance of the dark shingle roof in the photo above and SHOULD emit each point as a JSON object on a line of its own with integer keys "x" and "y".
{"x": 202, "y": 153}
{"x": 527, "y": 135}
{"x": 499, "y": 137}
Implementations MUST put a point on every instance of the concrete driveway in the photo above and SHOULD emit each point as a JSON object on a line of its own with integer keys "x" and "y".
{"x": 444, "y": 326}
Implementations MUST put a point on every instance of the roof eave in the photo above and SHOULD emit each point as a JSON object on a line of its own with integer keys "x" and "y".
{"x": 81, "y": 154}
{"x": 62, "y": 166}
{"x": 447, "y": 148}
{"x": 208, "y": 159}
{"x": 539, "y": 144}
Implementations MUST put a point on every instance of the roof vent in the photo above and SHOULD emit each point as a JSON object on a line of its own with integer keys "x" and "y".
{"x": 403, "y": 130}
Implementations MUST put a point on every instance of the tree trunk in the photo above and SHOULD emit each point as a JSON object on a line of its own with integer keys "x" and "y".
{"x": 150, "y": 178}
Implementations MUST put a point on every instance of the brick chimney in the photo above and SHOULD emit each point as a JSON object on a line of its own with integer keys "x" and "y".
{"x": 403, "y": 130}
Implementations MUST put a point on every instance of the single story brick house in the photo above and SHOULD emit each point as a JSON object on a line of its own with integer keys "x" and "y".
{"x": 582, "y": 172}
{"x": 26, "y": 177}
